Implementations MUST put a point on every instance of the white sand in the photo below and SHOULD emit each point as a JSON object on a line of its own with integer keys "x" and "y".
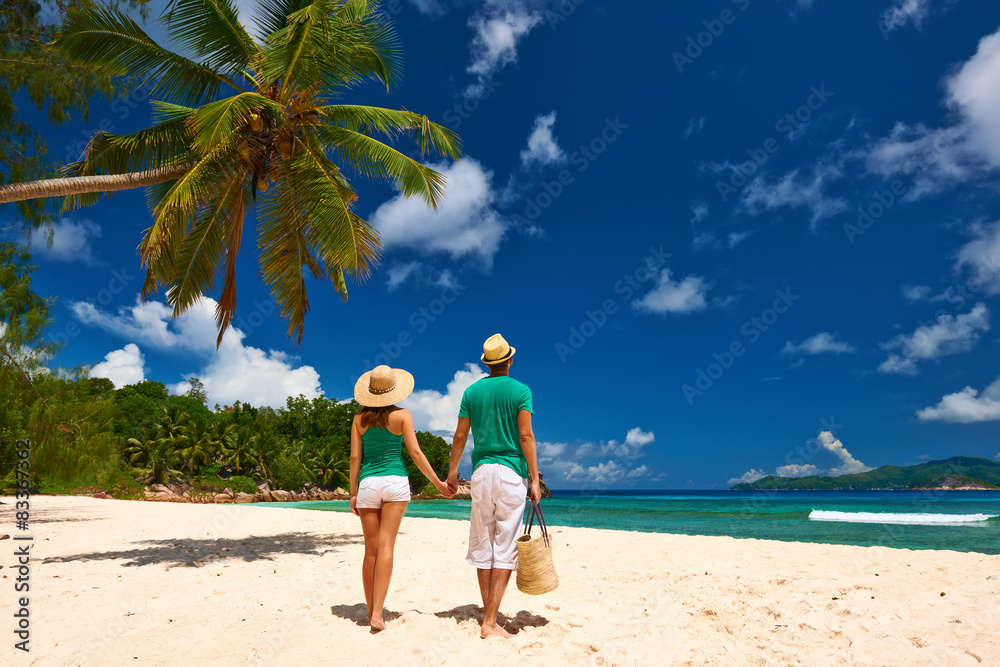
{"x": 137, "y": 583}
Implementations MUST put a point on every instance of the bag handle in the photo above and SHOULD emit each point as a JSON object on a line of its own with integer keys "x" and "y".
{"x": 536, "y": 509}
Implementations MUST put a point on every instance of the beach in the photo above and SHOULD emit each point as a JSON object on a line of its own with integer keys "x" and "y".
{"x": 122, "y": 582}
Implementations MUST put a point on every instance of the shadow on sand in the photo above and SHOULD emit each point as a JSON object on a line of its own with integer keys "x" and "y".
{"x": 358, "y": 613}
{"x": 45, "y": 515}
{"x": 195, "y": 553}
{"x": 513, "y": 624}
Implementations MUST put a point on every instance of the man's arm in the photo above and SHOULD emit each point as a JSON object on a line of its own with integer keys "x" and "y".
{"x": 457, "y": 447}
{"x": 528, "y": 449}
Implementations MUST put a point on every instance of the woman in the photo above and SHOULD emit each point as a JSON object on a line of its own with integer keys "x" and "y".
{"x": 380, "y": 488}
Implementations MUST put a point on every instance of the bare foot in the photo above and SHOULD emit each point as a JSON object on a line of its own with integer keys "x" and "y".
{"x": 494, "y": 630}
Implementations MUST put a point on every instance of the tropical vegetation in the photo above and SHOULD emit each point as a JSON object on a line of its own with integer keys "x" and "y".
{"x": 947, "y": 473}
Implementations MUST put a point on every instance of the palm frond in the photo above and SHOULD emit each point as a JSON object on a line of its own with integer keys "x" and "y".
{"x": 377, "y": 160}
{"x": 212, "y": 30}
{"x": 338, "y": 43}
{"x": 201, "y": 249}
{"x": 342, "y": 238}
{"x": 105, "y": 38}
{"x": 393, "y": 122}
{"x": 214, "y": 124}
{"x": 284, "y": 251}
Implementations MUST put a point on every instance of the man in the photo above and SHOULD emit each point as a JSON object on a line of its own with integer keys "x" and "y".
{"x": 498, "y": 410}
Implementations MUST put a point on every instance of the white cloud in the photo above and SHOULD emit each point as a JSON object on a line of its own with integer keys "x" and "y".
{"x": 432, "y": 7}
{"x": 499, "y": 26}
{"x": 980, "y": 257}
{"x": 233, "y": 372}
{"x": 947, "y": 335}
{"x": 687, "y": 295}
{"x": 542, "y": 146}
{"x": 71, "y": 242}
{"x": 825, "y": 440}
{"x": 797, "y": 470}
{"x": 903, "y": 12}
{"x": 818, "y": 344}
{"x": 635, "y": 440}
{"x": 464, "y": 224}
{"x": 399, "y": 273}
{"x": 695, "y": 126}
{"x": 122, "y": 367}
{"x": 603, "y": 474}
{"x": 795, "y": 191}
{"x": 967, "y": 406}
{"x": 564, "y": 464}
{"x": 437, "y": 412}
{"x": 936, "y": 159}
{"x": 699, "y": 211}
{"x": 636, "y": 473}
{"x": 550, "y": 450}
{"x": 848, "y": 464}
{"x": 749, "y": 477}
{"x": 914, "y": 293}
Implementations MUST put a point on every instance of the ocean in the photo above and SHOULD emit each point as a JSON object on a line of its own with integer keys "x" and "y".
{"x": 956, "y": 520}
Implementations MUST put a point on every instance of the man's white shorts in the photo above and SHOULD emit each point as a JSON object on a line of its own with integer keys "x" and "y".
{"x": 498, "y": 497}
{"x": 373, "y": 491}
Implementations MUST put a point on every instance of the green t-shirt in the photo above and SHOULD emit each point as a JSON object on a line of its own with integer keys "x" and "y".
{"x": 492, "y": 404}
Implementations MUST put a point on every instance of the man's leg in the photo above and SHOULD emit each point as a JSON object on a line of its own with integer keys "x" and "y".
{"x": 484, "y": 585}
{"x": 498, "y": 585}
{"x": 509, "y": 493}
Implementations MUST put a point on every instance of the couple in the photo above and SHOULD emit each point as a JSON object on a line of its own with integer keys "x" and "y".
{"x": 498, "y": 411}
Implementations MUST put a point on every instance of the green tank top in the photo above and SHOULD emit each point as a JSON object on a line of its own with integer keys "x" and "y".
{"x": 382, "y": 452}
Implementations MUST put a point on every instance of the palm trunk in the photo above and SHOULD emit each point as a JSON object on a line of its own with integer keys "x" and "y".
{"x": 78, "y": 185}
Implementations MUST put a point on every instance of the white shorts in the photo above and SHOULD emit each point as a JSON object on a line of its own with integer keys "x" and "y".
{"x": 498, "y": 497}
{"x": 373, "y": 491}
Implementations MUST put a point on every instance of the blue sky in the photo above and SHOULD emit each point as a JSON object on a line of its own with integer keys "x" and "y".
{"x": 727, "y": 238}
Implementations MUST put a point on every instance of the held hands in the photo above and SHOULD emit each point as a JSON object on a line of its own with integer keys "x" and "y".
{"x": 444, "y": 489}
{"x": 453, "y": 484}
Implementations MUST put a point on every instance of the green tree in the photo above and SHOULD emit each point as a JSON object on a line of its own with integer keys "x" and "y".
{"x": 53, "y": 85}
{"x": 136, "y": 407}
{"x": 240, "y": 450}
{"x": 268, "y": 143}
{"x": 23, "y": 315}
{"x": 197, "y": 390}
{"x": 438, "y": 453}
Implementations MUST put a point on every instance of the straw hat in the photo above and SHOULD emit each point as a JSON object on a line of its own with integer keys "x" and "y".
{"x": 496, "y": 350}
{"x": 383, "y": 386}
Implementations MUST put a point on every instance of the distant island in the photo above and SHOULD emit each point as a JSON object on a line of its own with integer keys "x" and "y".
{"x": 956, "y": 473}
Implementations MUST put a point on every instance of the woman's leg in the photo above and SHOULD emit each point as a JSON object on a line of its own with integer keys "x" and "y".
{"x": 392, "y": 515}
{"x": 370, "y": 520}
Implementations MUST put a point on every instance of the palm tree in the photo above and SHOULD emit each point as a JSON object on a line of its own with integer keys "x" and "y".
{"x": 329, "y": 467}
{"x": 244, "y": 124}
{"x": 240, "y": 449}
{"x": 199, "y": 447}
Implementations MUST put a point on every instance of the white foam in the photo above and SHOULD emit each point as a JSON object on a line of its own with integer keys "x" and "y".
{"x": 886, "y": 517}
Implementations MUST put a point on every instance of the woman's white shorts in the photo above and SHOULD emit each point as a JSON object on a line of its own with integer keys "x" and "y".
{"x": 498, "y": 497}
{"x": 373, "y": 491}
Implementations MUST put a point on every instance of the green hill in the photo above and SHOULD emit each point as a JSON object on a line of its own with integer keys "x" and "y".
{"x": 922, "y": 476}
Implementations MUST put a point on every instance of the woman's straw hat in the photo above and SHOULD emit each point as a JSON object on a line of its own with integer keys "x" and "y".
{"x": 496, "y": 350}
{"x": 383, "y": 386}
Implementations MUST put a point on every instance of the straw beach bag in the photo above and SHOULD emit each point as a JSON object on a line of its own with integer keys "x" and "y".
{"x": 536, "y": 573}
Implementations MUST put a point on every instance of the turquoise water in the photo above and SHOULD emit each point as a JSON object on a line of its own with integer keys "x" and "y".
{"x": 957, "y": 520}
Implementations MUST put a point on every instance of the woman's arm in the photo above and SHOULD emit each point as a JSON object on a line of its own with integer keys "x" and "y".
{"x": 417, "y": 454}
{"x": 355, "y": 463}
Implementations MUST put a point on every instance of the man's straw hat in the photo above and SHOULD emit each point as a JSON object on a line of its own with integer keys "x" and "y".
{"x": 496, "y": 350}
{"x": 383, "y": 386}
